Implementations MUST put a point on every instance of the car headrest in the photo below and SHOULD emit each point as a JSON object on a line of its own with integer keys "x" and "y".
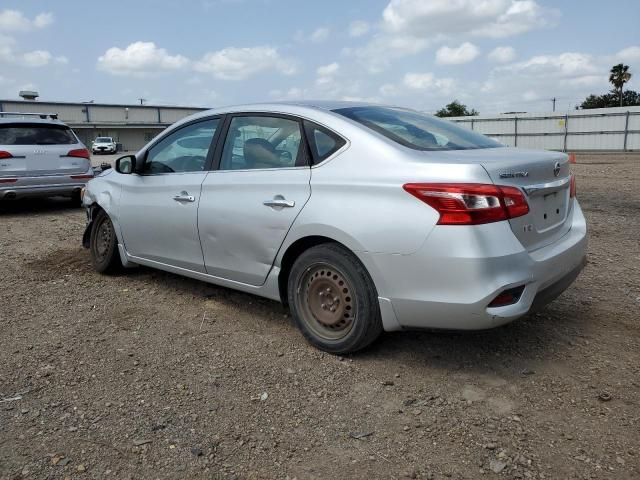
{"x": 259, "y": 152}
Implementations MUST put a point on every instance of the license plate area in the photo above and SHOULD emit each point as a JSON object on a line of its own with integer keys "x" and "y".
{"x": 549, "y": 209}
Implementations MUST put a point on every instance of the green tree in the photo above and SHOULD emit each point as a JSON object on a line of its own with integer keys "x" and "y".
{"x": 456, "y": 109}
{"x": 611, "y": 99}
{"x": 618, "y": 76}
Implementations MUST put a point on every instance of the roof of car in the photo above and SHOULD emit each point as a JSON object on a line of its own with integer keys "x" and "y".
{"x": 27, "y": 119}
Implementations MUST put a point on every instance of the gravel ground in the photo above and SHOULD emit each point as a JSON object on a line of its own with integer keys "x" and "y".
{"x": 150, "y": 375}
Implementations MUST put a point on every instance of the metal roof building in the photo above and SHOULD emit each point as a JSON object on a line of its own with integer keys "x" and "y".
{"x": 130, "y": 125}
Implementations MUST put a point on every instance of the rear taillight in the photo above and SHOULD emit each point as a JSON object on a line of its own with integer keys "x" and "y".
{"x": 5, "y": 154}
{"x": 470, "y": 203}
{"x": 8, "y": 180}
{"x": 81, "y": 177}
{"x": 572, "y": 186}
{"x": 80, "y": 153}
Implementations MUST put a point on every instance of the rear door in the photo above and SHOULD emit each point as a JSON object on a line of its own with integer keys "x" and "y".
{"x": 38, "y": 149}
{"x": 249, "y": 203}
{"x": 159, "y": 205}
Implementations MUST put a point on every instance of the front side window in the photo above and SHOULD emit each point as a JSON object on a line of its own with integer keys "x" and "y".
{"x": 36, "y": 134}
{"x": 256, "y": 142}
{"x": 417, "y": 130}
{"x": 184, "y": 150}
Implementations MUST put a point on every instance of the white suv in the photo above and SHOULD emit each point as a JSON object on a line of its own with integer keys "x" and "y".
{"x": 104, "y": 145}
{"x": 41, "y": 157}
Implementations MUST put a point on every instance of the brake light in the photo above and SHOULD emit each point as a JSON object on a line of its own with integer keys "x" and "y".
{"x": 79, "y": 153}
{"x": 572, "y": 186}
{"x": 8, "y": 180}
{"x": 81, "y": 177}
{"x": 5, "y": 154}
{"x": 470, "y": 203}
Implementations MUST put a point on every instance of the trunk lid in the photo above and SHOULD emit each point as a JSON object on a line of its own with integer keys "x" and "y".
{"x": 36, "y": 160}
{"x": 544, "y": 176}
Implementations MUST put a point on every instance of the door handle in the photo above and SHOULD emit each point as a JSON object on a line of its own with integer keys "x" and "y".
{"x": 184, "y": 197}
{"x": 279, "y": 202}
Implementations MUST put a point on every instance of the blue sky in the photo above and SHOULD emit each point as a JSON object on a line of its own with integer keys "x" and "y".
{"x": 494, "y": 55}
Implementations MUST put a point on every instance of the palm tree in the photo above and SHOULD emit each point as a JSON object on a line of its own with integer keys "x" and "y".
{"x": 619, "y": 75}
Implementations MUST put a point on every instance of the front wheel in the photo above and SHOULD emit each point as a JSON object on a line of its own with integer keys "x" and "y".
{"x": 333, "y": 300}
{"x": 103, "y": 245}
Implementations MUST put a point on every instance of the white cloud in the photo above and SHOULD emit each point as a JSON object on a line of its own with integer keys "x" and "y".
{"x": 61, "y": 59}
{"x": 410, "y": 26}
{"x": 571, "y": 66}
{"x": 37, "y": 58}
{"x": 43, "y": 20}
{"x": 389, "y": 90}
{"x": 319, "y": 35}
{"x": 628, "y": 55}
{"x": 428, "y": 81}
{"x": 377, "y": 55}
{"x": 327, "y": 70}
{"x": 139, "y": 59}
{"x": 358, "y": 28}
{"x": 16, "y": 21}
{"x": 465, "y": 53}
{"x": 487, "y": 18}
{"x": 239, "y": 63}
{"x": 502, "y": 54}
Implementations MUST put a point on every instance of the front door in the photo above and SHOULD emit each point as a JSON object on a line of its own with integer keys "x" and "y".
{"x": 249, "y": 203}
{"x": 159, "y": 206}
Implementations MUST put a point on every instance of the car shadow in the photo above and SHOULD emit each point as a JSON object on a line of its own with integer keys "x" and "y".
{"x": 37, "y": 205}
{"x": 516, "y": 347}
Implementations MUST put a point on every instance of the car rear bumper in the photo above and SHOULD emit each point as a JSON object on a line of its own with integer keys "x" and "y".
{"x": 451, "y": 280}
{"x": 43, "y": 186}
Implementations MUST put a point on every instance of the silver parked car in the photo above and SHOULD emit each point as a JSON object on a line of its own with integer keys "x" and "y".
{"x": 41, "y": 157}
{"x": 361, "y": 218}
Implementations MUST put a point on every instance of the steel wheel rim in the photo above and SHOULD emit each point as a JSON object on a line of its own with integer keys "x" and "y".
{"x": 104, "y": 235}
{"x": 327, "y": 301}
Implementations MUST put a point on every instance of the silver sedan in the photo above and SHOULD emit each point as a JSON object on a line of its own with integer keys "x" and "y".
{"x": 361, "y": 218}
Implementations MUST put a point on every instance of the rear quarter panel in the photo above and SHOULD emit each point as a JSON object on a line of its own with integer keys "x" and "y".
{"x": 357, "y": 197}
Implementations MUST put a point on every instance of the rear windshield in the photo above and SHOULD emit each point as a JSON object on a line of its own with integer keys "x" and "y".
{"x": 35, "y": 134}
{"x": 103, "y": 140}
{"x": 417, "y": 130}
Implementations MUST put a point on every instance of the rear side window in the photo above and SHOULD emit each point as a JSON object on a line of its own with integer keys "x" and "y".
{"x": 323, "y": 142}
{"x": 35, "y": 134}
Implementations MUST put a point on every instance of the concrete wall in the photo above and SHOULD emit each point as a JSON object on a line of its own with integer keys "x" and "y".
{"x": 606, "y": 129}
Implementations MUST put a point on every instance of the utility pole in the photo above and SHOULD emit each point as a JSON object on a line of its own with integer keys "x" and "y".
{"x": 142, "y": 101}
{"x": 553, "y": 100}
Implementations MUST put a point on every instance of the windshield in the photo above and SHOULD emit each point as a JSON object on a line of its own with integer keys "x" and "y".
{"x": 35, "y": 134}
{"x": 103, "y": 140}
{"x": 417, "y": 130}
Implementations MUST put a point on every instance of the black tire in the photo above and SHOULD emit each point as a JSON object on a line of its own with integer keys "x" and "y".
{"x": 103, "y": 245}
{"x": 333, "y": 300}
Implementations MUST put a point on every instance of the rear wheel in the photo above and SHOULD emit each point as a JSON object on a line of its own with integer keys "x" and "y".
{"x": 333, "y": 300}
{"x": 103, "y": 245}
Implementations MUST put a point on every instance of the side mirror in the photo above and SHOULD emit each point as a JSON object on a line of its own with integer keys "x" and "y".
{"x": 126, "y": 164}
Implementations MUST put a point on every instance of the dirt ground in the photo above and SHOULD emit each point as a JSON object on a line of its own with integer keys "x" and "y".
{"x": 149, "y": 375}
